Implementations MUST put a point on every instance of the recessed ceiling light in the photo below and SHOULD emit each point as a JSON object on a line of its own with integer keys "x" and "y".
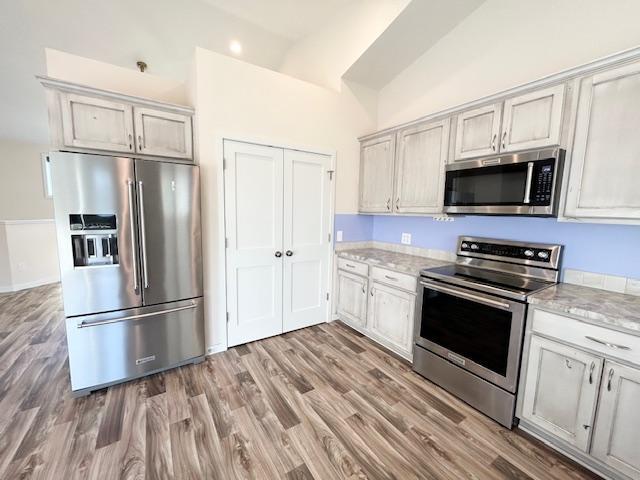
{"x": 235, "y": 47}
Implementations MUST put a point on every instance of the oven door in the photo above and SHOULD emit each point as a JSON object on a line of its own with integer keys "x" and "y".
{"x": 478, "y": 332}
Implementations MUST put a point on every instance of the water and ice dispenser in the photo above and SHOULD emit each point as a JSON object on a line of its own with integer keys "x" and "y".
{"x": 96, "y": 243}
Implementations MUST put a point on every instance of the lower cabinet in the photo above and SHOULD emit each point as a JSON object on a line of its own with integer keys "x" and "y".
{"x": 379, "y": 303}
{"x": 616, "y": 439}
{"x": 390, "y": 317}
{"x": 580, "y": 391}
{"x": 352, "y": 299}
{"x": 561, "y": 390}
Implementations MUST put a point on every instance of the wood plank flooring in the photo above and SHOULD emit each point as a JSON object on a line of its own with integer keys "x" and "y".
{"x": 319, "y": 403}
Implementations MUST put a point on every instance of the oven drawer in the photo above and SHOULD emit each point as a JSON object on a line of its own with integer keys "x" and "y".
{"x": 354, "y": 267}
{"x": 610, "y": 343}
{"x": 399, "y": 280}
{"x": 117, "y": 346}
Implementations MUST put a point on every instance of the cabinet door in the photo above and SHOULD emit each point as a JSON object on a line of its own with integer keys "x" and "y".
{"x": 163, "y": 134}
{"x": 376, "y": 174}
{"x": 352, "y": 299}
{"x": 478, "y": 131}
{"x": 390, "y": 317}
{"x": 603, "y": 181}
{"x": 95, "y": 123}
{"x": 422, "y": 154}
{"x": 533, "y": 120}
{"x": 616, "y": 439}
{"x": 560, "y": 392}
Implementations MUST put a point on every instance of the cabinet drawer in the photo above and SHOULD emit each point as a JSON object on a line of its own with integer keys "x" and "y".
{"x": 610, "y": 343}
{"x": 354, "y": 267}
{"x": 399, "y": 280}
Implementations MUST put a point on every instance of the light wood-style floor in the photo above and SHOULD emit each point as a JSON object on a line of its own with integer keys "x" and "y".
{"x": 323, "y": 403}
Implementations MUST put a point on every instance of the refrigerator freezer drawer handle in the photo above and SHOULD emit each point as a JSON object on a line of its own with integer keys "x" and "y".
{"x": 143, "y": 234}
{"x": 84, "y": 324}
{"x": 134, "y": 262}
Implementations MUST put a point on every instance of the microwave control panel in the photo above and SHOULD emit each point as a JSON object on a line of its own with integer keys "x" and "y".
{"x": 542, "y": 182}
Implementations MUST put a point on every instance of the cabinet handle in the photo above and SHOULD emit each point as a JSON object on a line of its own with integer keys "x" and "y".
{"x": 130, "y": 142}
{"x": 504, "y": 137}
{"x": 609, "y": 381}
{"x": 610, "y": 345}
{"x": 364, "y": 290}
{"x": 398, "y": 204}
{"x": 140, "y": 142}
{"x": 391, "y": 278}
{"x": 278, "y": 254}
{"x": 372, "y": 292}
{"x": 591, "y": 368}
{"x": 388, "y": 204}
{"x": 349, "y": 265}
{"x": 493, "y": 142}
{"x": 568, "y": 363}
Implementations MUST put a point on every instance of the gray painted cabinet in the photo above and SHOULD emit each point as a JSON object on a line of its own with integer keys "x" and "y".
{"x": 352, "y": 299}
{"x": 376, "y": 174}
{"x": 603, "y": 181}
{"x": 616, "y": 439}
{"x": 421, "y": 157}
{"x": 477, "y": 132}
{"x": 390, "y": 317}
{"x": 163, "y": 134}
{"x": 555, "y": 370}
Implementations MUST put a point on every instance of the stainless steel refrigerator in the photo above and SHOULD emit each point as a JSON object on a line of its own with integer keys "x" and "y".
{"x": 129, "y": 244}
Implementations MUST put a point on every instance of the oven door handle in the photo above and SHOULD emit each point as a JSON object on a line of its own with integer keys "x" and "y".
{"x": 466, "y": 295}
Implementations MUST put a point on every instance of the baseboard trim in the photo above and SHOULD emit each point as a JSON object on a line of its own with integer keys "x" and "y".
{"x": 23, "y": 286}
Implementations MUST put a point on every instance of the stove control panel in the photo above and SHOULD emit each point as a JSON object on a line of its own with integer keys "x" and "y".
{"x": 507, "y": 251}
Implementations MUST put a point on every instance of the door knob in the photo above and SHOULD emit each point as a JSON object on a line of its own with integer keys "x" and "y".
{"x": 288, "y": 253}
{"x": 278, "y": 254}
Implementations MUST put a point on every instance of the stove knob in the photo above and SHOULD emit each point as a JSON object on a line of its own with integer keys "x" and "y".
{"x": 465, "y": 245}
{"x": 543, "y": 255}
{"x": 528, "y": 253}
{"x": 474, "y": 246}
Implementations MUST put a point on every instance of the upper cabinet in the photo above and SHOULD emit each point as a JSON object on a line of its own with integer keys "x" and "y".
{"x": 376, "y": 174}
{"x": 532, "y": 120}
{"x": 163, "y": 134}
{"x": 478, "y": 131}
{"x": 606, "y": 151}
{"x": 97, "y": 121}
{"x": 422, "y": 154}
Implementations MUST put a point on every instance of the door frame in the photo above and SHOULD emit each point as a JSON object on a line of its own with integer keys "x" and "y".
{"x": 221, "y": 211}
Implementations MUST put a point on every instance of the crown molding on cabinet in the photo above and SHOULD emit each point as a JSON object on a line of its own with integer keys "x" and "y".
{"x": 66, "y": 86}
{"x": 620, "y": 58}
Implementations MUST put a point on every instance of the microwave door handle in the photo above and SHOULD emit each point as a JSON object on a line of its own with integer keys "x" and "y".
{"x": 527, "y": 186}
{"x": 466, "y": 295}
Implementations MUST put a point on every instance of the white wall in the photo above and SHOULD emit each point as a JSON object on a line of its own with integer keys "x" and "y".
{"x": 505, "y": 43}
{"x": 86, "y": 71}
{"x": 325, "y": 55}
{"x": 236, "y": 99}
{"x": 21, "y": 188}
{"x": 29, "y": 248}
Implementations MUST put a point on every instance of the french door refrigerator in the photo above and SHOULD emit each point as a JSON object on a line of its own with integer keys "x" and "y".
{"x": 129, "y": 245}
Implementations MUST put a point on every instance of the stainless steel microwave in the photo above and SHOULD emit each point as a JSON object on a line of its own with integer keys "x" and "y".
{"x": 519, "y": 184}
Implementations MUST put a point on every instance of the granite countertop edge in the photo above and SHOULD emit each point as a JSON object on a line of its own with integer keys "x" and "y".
{"x": 616, "y": 311}
{"x": 396, "y": 261}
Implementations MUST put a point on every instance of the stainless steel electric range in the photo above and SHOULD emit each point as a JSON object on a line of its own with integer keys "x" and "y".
{"x": 471, "y": 315}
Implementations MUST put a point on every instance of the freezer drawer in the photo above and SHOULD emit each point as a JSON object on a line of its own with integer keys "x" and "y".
{"x": 113, "y": 347}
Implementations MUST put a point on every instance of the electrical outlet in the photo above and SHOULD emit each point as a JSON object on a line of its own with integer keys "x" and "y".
{"x": 406, "y": 239}
{"x": 339, "y": 236}
{"x": 443, "y": 218}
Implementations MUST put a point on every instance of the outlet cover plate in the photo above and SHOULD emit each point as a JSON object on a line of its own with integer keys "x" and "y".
{"x": 406, "y": 239}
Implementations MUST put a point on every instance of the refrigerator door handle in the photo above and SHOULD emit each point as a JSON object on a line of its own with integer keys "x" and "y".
{"x": 143, "y": 235}
{"x": 134, "y": 259}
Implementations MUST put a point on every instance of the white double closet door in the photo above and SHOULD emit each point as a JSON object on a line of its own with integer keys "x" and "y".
{"x": 277, "y": 220}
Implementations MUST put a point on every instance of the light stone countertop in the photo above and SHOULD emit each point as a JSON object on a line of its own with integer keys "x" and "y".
{"x": 399, "y": 262}
{"x": 618, "y": 311}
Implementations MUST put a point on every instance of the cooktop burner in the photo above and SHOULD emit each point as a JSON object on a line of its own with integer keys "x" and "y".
{"x": 506, "y": 268}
